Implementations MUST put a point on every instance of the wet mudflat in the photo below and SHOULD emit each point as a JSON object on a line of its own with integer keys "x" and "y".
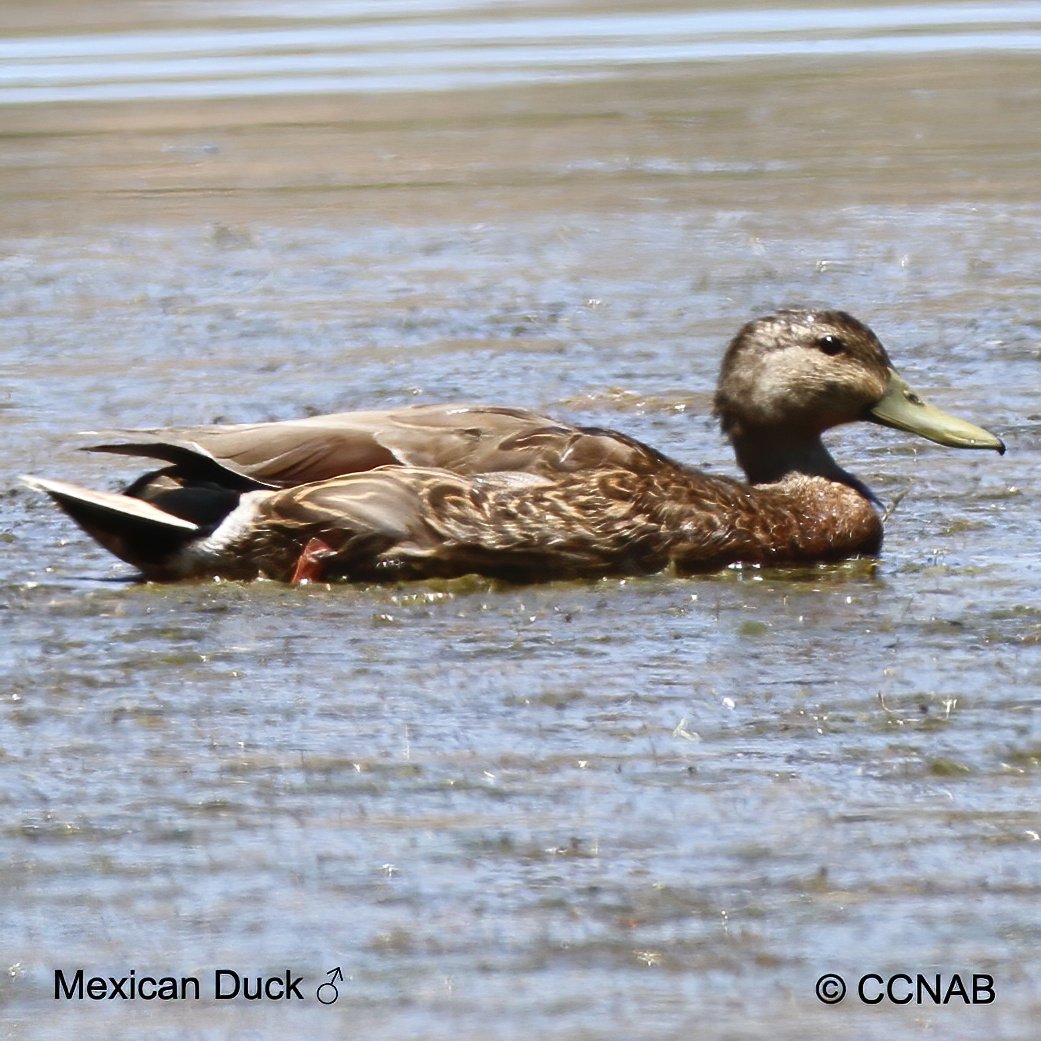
{"x": 648, "y": 808}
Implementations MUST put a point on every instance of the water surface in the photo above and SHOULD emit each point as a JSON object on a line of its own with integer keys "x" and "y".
{"x": 317, "y": 52}
{"x": 651, "y": 808}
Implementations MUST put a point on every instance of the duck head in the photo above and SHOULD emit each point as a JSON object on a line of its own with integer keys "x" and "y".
{"x": 788, "y": 377}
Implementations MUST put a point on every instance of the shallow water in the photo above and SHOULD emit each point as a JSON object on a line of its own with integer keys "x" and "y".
{"x": 643, "y": 809}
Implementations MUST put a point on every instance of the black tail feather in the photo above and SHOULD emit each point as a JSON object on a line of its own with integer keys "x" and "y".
{"x": 133, "y": 530}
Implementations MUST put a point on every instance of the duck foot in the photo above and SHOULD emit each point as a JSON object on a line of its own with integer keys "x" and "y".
{"x": 311, "y": 565}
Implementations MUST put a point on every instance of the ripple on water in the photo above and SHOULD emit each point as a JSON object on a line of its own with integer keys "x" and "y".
{"x": 584, "y": 809}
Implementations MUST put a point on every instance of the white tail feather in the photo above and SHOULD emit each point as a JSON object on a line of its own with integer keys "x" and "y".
{"x": 123, "y": 504}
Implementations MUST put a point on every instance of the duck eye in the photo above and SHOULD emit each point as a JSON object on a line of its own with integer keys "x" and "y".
{"x": 830, "y": 345}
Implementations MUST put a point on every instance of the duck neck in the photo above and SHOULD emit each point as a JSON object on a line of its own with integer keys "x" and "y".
{"x": 768, "y": 456}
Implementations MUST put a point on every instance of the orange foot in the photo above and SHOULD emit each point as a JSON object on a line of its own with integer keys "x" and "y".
{"x": 311, "y": 564}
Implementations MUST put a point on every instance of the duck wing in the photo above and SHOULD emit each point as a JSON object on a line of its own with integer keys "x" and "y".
{"x": 398, "y": 523}
{"x": 464, "y": 439}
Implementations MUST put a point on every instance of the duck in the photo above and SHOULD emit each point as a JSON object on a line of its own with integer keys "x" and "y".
{"x": 443, "y": 491}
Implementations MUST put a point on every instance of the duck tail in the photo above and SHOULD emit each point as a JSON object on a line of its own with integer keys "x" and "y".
{"x": 133, "y": 530}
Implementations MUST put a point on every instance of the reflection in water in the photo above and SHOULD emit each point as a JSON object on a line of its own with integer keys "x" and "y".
{"x": 404, "y": 54}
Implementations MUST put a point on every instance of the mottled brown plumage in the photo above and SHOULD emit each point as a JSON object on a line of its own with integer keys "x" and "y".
{"x": 411, "y": 523}
{"x": 450, "y": 490}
